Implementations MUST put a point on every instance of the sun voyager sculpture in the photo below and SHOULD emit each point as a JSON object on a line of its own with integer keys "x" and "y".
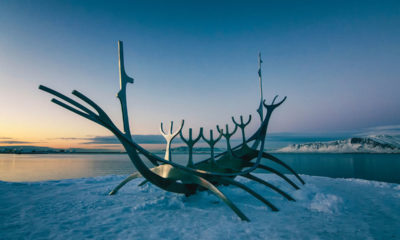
{"x": 208, "y": 174}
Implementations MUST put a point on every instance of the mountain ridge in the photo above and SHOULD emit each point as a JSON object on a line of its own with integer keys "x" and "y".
{"x": 368, "y": 144}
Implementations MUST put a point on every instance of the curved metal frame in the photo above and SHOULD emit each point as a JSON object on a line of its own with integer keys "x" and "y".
{"x": 205, "y": 174}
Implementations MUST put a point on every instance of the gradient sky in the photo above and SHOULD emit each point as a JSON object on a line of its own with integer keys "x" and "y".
{"x": 337, "y": 61}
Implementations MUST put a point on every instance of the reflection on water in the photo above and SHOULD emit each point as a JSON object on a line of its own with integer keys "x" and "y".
{"x": 380, "y": 167}
{"x": 38, "y": 167}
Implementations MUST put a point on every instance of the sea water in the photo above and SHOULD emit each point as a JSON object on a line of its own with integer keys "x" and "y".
{"x": 39, "y": 167}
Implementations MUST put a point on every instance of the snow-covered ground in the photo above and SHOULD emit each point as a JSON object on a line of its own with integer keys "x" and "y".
{"x": 369, "y": 144}
{"x": 326, "y": 208}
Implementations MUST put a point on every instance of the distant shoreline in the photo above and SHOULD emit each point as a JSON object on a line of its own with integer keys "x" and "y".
{"x": 198, "y": 153}
{"x": 35, "y": 153}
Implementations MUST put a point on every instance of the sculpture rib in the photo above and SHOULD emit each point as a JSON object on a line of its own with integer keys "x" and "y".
{"x": 261, "y": 166}
{"x": 206, "y": 184}
{"x": 71, "y": 109}
{"x": 280, "y": 162}
{"x": 249, "y": 190}
{"x": 276, "y": 189}
{"x": 67, "y": 99}
{"x": 130, "y": 178}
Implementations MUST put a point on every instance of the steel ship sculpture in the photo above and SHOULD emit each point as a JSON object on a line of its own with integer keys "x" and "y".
{"x": 208, "y": 174}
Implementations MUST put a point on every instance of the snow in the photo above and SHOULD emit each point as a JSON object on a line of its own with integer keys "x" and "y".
{"x": 370, "y": 144}
{"x": 326, "y": 208}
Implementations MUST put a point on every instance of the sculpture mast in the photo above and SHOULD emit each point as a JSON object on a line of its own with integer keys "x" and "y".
{"x": 123, "y": 80}
{"x": 260, "y": 108}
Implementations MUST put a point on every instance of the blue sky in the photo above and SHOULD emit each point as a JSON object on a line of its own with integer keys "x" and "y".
{"x": 337, "y": 61}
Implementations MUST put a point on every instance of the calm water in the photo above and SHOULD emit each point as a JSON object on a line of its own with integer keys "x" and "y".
{"x": 38, "y": 167}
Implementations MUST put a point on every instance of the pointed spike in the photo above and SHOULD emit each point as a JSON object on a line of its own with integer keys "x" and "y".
{"x": 162, "y": 129}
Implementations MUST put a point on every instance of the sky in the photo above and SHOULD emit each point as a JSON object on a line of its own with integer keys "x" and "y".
{"x": 336, "y": 61}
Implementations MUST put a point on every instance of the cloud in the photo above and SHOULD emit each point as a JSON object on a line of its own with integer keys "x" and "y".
{"x": 145, "y": 139}
{"x": 155, "y": 139}
{"x": 14, "y": 141}
{"x": 67, "y": 138}
{"x": 381, "y": 130}
{"x": 10, "y": 140}
{"x": 102, "y": 140}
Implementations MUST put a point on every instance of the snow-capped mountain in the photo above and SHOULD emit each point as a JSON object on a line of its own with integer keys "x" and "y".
{"x": 369, "y": 144}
